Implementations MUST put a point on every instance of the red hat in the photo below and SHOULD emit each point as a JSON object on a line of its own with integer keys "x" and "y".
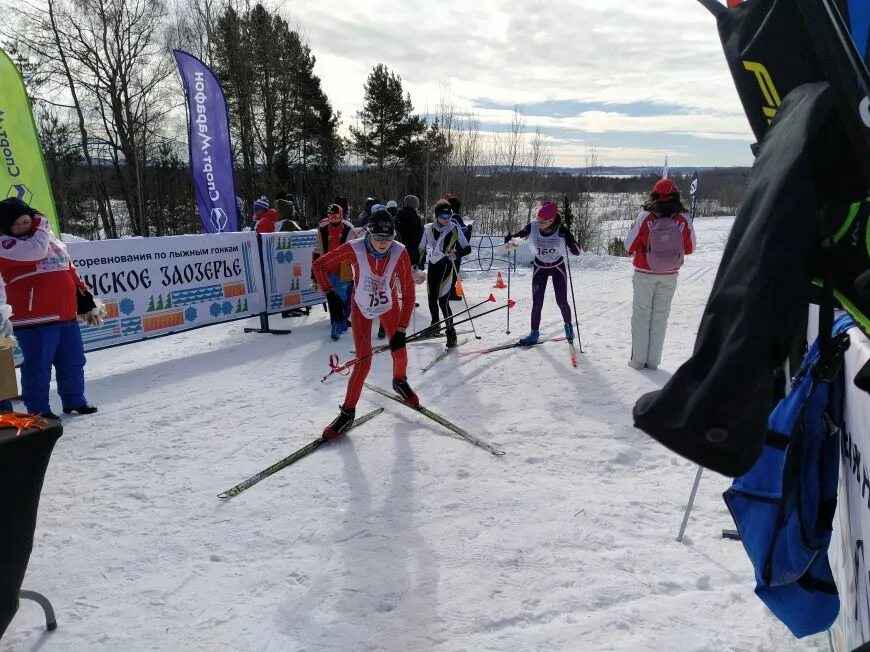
{"x": 664, "y": 189}
{"x": 549, "y": 210}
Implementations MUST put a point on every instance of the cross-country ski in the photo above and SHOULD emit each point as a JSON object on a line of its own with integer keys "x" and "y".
{"x": 437, "y": 418}
{"x": 290, "y": 459}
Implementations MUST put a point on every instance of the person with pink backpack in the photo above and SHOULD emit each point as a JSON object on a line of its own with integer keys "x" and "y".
{"x": 660, "y": 237}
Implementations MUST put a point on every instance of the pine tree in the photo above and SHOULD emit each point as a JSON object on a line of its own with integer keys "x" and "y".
{"x": 168, "y": 303}
{"x": 151, "y": 307}
{"x": 388, "y": 123}
{"x": 159, "y": 302}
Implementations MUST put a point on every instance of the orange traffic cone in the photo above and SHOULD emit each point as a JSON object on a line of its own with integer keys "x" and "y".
{"x": 499, "y": 282}
{"x": 459, "y": 292}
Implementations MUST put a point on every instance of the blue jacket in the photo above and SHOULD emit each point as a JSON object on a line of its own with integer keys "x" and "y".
{"x": 784, "y": 506}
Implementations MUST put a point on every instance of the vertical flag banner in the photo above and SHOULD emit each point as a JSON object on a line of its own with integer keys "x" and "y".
{"x": 211, "y": 156}
{"x": 693, "y": 191}
{"x": 22, "y": 168}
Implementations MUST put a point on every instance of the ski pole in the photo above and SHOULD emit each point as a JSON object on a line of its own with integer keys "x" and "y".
{"x": 340, "y": 368}
{"x": 465, "y": 299}
{"x": 508, "y": 329}
{"x": 573, "y": 300}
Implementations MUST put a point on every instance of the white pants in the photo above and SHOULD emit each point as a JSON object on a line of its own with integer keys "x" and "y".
{"x": 649, "y": 316}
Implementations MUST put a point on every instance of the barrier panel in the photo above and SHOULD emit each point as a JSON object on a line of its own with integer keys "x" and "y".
{"x": 287, "y": 270}
{"x": 156, "y": 286}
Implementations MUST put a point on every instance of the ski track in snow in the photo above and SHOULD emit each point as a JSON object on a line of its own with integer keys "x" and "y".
{"x": 400, "y": 536}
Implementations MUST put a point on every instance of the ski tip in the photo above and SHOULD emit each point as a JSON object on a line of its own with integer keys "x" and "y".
{"x": 511, "y": 303}
{"x": 491, "y": 297}
{"x": 223, "y": 496}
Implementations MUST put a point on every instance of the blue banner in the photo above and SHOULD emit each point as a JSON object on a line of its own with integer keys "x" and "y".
{"x": 211, "y": 155}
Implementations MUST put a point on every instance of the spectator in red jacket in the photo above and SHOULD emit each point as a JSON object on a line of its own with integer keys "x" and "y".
{"x": 660, "y": 236}
{"x": 265, "y": 218}
{"x": 46, "y": 296}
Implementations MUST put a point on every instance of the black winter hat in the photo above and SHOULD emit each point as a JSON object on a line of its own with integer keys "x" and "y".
{"x": 10, "y": 210}
{"x": 382, "y": 223}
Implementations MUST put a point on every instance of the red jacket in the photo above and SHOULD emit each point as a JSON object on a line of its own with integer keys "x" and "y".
{"x": 637, "y": 240}
{"x": 266, "y": 221}
{"x": 330, "y": 263}
{"x": 41, "y": 282}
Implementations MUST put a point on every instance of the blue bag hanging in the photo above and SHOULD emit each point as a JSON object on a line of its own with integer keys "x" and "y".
{"x": 784, "y": 506}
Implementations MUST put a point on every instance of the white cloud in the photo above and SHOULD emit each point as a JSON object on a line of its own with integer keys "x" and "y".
{"x": 613, "y": 51}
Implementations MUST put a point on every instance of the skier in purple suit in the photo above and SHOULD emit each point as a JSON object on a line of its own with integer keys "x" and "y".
{"x": 548, "y": 238}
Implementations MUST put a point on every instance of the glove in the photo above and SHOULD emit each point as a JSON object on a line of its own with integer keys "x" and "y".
{"x": 451, "y": 255}
{"x": 507, "y": 238}
{"x": 397, "y": 341}
{"x": 419, "y": 276}
{"x": 36, "y": 221}
{"x": 5, "y": 324}
{"x": 96, "y": 316}
{"x": 510, "y": 246}
{"x": 314, "y": 286}
{"x": 85, "y": 302}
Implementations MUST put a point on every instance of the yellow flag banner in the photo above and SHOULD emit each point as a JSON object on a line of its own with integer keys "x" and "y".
{"x": 22, "y": 168}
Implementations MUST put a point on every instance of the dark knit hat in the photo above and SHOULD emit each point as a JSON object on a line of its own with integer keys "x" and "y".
{"x": 381, "y": 223}
{"x": 411, "y": 201}
{"x": 10, "y": 210}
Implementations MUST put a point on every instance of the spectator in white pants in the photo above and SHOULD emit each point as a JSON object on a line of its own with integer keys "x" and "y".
{"x": 660, "y": 236}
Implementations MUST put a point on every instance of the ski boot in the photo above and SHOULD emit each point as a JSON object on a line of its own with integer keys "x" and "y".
{"x": 49, "y": 415}
{"x": 335, "y": 331}
{"x": 83, "y": 409}
{"x": 342, "y": 422}
{"x": 569, "y": 331}
{"x": 381, "y": 332}
{"x": 531, "y": 338}
{"x": 403, "y": 389}
{"x": 451, "y": 338}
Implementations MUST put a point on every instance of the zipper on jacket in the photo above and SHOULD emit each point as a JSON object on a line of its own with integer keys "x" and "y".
{"x": 30, "y": 302}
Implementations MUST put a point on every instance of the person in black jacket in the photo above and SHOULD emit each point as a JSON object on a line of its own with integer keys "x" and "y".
{"x": 409, "y": 228}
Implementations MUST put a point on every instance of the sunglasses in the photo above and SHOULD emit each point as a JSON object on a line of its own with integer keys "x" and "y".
{"x": 382, "y": 238}
{"x": 445, "y": 216}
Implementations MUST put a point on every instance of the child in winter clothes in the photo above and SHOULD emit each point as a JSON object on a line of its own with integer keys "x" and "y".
{"x": 265, "y": 218}
{"x": 659, "y": 237}
{"x": 443, "y": 242}
{"x": 549, "y": 239}
{"x": 47, "y": 296}
{"x": 333, "y": 232}
{"x": 378, "y": 261}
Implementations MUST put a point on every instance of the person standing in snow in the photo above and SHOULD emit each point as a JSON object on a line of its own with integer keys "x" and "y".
{"x": 47, "y": 297}
{"x": 443, "y": 242}
{"x": 409, "y": 229}
{"x": 549, "y": 239}
{"x": 392, "y": 208}
{"x": 377, "y": 260}
{"x": 660, "y": 236}
{"x": 366, "y": 213}
{"x": 331, "y": 234}
{"x": 265, "y": 218}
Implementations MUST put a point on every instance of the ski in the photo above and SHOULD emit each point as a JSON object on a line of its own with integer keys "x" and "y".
{"x": 512, "y": 345}
{"x": 437, "y": 418}
{"x": 443, "y": 355}
{"x": 440, "y": 334}
{"x": 293, "y": 457}
{"x": 573, "y": 353}
{"x": 426, "y": 339}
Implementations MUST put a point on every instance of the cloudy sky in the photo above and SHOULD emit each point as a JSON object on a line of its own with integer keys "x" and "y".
{"x": 634, "y": 79}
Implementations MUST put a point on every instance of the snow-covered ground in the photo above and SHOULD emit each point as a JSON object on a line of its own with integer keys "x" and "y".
{"x": 400, "y": 536}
